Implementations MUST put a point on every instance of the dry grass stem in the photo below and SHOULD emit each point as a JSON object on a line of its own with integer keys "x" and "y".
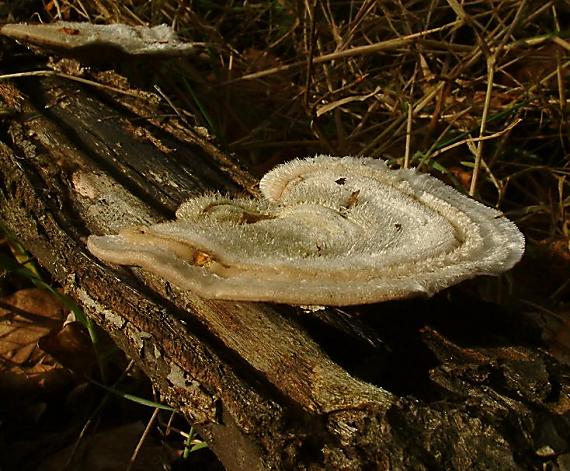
{"x": 408, "y": 136}
{"x": 468, "y": 140}
{"x": 355, "y": 51}
{"x": 73, "y": 78}
{"x": 490, "y": 80}
{"x": 147, "y": 430}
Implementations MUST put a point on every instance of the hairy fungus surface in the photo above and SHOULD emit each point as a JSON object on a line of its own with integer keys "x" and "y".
{"x": 328, "y": 231}
{"x": 132, "y": 40}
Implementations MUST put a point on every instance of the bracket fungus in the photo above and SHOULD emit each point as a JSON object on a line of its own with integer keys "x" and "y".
{"x": 158, "y": 40}
{"x": 326, "y": 231}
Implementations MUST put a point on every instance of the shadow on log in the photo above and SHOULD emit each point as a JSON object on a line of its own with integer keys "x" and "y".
{"x": 421, "y": 384}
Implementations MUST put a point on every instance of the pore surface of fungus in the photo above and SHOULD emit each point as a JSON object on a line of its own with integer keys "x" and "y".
{"x": 328, "y": 231}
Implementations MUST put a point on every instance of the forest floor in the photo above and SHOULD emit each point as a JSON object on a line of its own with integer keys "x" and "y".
{"x": 474, "y": 93}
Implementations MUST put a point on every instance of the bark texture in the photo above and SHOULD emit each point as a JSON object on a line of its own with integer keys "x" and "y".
{"x": 420, "y": 384}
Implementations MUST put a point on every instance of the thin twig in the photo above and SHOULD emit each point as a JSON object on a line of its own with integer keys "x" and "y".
{"x": 171, "y": 104}
{"x": 142, "y": 439}
{"x": 355, "y": 51}
{"x": 312, "y": 40}
{"x": 35, "y": 318}
{"x": 93, "y": 416}
{"x": 559, "y": 74}
{"x": 54, "y": 73}
{"x": 408, "y": 136}
{"x": 479, "y": 139}
{"x": 490, "y": 78}
{"x": 561, "y": 42}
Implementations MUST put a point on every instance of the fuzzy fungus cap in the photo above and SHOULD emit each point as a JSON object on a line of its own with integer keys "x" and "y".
{"x": 328, "y": 231}
{"x": 160, "y": 40}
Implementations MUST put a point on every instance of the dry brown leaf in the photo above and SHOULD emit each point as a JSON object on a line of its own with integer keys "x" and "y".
{"x": 37, "y": 313}
{"x": 110, "y": 450}
{"x": 464, "y": 176}
{"x": 535, "y": 65}
{"x": 26, "y": 372}
{"x": 260, "y": 60}
{"x": 71, "y": 347}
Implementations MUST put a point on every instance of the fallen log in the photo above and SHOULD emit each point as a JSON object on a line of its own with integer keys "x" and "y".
{"x": 419, "y": 384}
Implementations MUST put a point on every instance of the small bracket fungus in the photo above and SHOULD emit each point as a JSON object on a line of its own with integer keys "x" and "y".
{"x": 158, "y": 40}
{"x": 328, "y": 231}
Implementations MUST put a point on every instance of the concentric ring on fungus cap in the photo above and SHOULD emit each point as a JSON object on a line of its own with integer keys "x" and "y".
{"x": 329, "y": 231}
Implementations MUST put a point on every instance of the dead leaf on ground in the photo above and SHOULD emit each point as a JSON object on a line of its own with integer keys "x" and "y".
{"x": 25, "y": 369}
{"x": 70, "y": 346}
{"x": 28, "y": 376}
{"x": 36, "y": 313}
{"x": 111, "y": 449}
{"x": 464, "y": 176}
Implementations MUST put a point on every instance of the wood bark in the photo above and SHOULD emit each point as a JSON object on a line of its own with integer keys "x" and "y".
{"x": 420, "y": 384}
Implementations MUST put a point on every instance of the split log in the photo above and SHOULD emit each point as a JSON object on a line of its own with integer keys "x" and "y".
{"x": 420, "y": 384}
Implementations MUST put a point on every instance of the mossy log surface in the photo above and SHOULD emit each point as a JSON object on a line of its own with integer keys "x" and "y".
{"x": 444, "y": 383}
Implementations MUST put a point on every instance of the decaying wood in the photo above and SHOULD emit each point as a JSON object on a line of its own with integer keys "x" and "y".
{"x": 424, "y": 384}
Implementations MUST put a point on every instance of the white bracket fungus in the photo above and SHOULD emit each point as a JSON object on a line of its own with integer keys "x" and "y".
{"x": 328, "y": 231}
{"x": 132, "y": 40}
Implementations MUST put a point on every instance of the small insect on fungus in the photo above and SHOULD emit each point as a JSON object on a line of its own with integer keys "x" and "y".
{"x": 402, "y": 234}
